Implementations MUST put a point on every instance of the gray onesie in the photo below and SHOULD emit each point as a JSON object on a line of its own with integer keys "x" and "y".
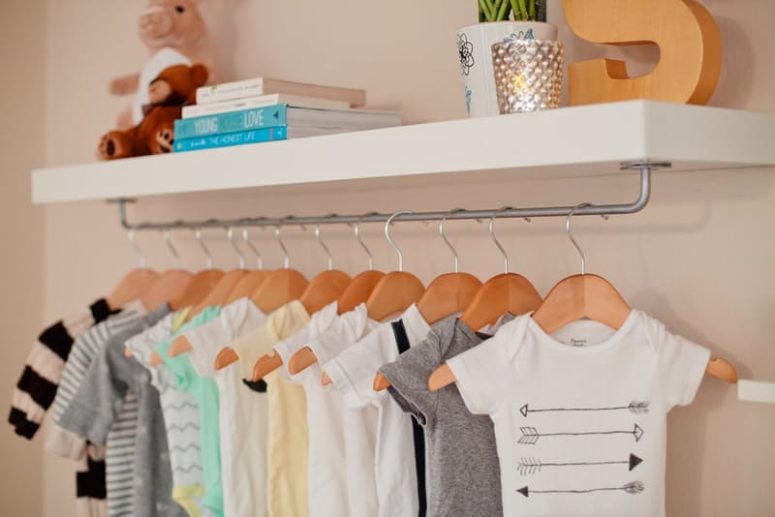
{"x": 97, "y": 403}
{"x": 462, "y": 461}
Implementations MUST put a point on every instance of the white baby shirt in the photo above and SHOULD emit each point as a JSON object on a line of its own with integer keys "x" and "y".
{"x": 329, "y": 475}
{"x": 580, "y": 416}
{"x": 242, "y": 412}
{"x": 352, "y": 372}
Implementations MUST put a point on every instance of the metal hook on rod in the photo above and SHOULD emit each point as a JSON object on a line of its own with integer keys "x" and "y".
{"x": 249, "y": 244}
{"x": 569, "y": 233}
{"x": 390, "y": 238}
{"x": 286, "y": 256}
{"x": 495, "y": 240}
{"x": 330, "y": 258}
{"x": 168, "y": 241}
{"x": 230, "y": 236}
{"x": 357, "y": 232}
{"x": 141, "y": 260}
{"x": 446, "y": 241}
{"x": 205, "y": 250}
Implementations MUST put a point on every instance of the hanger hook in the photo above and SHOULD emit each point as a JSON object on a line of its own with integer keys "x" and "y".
{"x": 230, "y": 236}
{"x": 286, "y": 256}
{"x": 495, "y": 240}
{"x": 330, "y": 258}
{"x": 141, "y": 260}
{"x": 249, "y": 244}
{"x": 444, "y": 236}
{"x": 357, "y": 232}
{"x": 205, "y": 250}
{"x": 390, "y": 238}
{"x": 168, "y": 241}
{"x": 569, "y": 233}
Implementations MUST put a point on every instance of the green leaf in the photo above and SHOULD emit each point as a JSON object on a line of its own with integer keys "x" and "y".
{"x": 484, "y": 6}
{"x": 531, "y": 10}
{"x": 523, "y": 9}
{"x": 515, "y": 9}
{"x": 503, "y": 14}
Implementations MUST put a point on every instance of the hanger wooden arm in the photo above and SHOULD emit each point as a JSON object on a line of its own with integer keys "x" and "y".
{"x": 325, "y": 380}
{"x": 225, "y": 357}
{"x": 155, "y": 360}
{"x": 301, "y": 360}
{"x": 380, "y": 383}
{"x": 717, "y": 367}
{"x": 181, "y": 345}
{"x": 266, "y": 365}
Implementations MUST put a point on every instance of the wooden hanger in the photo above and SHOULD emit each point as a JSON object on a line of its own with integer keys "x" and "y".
{"x": 356, "y": 293}
{"x": 447, "y": 294}
{"x": 325, "y": 288}
{"x": 583, "y": 296}
{"x": 280, "y": 287}
{"x": 253, "y": 280}
{"x": 395, "y": 291}
{"x": 133, "y": 284}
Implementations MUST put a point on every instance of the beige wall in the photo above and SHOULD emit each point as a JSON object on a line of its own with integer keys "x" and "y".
{"x": 22, "y": 40}
{"x": 699, "y": 257}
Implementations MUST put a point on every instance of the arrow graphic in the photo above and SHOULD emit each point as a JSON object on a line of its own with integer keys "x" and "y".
{"x": 636, "y": 407}
{"x": 529, "y": 466}
{"x": 530, "y": 435}
{"x": 636, "y": 487}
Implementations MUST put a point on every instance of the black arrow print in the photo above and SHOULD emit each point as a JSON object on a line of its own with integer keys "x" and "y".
{"x": 530, "y": 435}
{"x": 528, "y": 466}
{"x": 635, "y": 407}
{"x": 636, "y": 487}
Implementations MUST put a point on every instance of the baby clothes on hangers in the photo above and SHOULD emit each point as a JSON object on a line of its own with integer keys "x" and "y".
{"x": 205, "y": 392}
{"x": 341, "y": 447}
{"x": 91, "y": 477}
{"x": 580, "y": 415}
{"x": 242, "y": 410}
{"x": 400, "y": 455}
{"x": 93, "y": 410}
{"x": 286, "y": 406}
{"x": 463, "y": 471}
{"x": 37, "y": 386}
{"x": 181, "y": 418}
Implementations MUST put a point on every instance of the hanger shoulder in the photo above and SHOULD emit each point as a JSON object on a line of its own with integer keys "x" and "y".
{"x": 394, "y": 293}
{"x": 201, "y": 284}
{"x": 220, "y": 291}
{"x": 225, "y": 357}
{"x": 266, "y": 365}
{"x": 131, "y": 287}
{"x": 380, "y": 383}
{"x": 248, "y": 285}
{"x": 323, "y": 289}
{"x": 359, "y": 290}
{"x": 448, "y": 294}
{"x": 502, "y": 294}
{"x": 279, "y": 288}
{"x": 582, "y": 296}
{"x": 170, "y": 285}
{"x": 440, "y": 378}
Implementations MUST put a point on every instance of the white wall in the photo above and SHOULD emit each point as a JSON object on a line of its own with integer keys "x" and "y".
{"x": 699, "y": 257}
{"x": 22, "y": 41}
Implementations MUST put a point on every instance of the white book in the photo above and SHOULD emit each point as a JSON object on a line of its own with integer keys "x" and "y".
{"x": 264, "y": 86}
{"x": 214, "y": 108}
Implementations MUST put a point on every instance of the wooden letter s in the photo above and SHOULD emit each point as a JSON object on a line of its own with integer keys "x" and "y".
{"x": 686, "y": 33}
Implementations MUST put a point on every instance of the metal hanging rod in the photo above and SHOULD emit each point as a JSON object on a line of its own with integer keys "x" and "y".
{"x": 645, "y": 169}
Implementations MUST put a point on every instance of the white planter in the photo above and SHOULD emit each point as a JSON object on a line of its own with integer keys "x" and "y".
{"x": 474, "y": 44}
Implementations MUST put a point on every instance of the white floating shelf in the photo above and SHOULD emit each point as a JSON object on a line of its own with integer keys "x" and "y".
{"x": 594, "y": 138}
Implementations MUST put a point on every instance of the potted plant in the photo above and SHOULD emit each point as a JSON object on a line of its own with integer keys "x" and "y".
{"x": 499, "y": 19}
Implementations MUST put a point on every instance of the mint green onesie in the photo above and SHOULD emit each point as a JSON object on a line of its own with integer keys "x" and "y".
{"x": 205, "y": 391}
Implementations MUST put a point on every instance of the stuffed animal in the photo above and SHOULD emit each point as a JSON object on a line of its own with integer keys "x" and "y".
{"x": 173, "y": 88}
{"x": 175, "y": 34}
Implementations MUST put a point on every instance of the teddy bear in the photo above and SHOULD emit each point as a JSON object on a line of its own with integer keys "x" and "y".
{"x": 174, "y": 32}
{"x": 173, "y": 88}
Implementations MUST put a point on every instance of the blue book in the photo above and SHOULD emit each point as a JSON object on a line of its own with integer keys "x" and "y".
{"x": 228, "y": 139}
{"x": 243, "y": 120}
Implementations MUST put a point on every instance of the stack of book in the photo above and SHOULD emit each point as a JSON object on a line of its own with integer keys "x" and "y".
{"x": 264, "y": 110}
